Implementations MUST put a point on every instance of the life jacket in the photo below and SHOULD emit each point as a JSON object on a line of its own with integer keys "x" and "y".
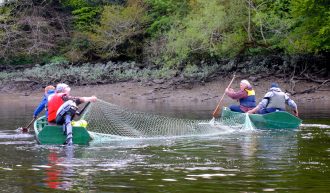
{"x": 277, "y": 100}
{"x": 250, "y": 100}
{"x": 53, "y": 105}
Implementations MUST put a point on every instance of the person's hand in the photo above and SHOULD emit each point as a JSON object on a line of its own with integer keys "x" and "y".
{"x": 250, "y": 112}
{"x": 229, "y": 90}
{"x": 296, "y": 112}
{"x": 93, "y": 98}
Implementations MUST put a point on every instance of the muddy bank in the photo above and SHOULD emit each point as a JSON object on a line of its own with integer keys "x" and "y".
{"x": 164, "y": 98}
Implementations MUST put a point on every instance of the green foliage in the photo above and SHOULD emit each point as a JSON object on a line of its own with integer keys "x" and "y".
{"x": 311, "y": 31}
{"x": 168, "y": 34}
{"x": 85, "y": 17}
{"x": 79, "y": 47}
{"x": 20, "y": 60}
{"x": 85, "y": 13}
{"x": 164, "y": 13}
{"x": 232, "y": 44}
{"x": 75, "y": 4}
{"x": 196, "y": 33}
{"x": 190, "y": 69}
{"x": 84, "y": 74}
{"x": 58, "y": 60}
{"x": 118, "y": 26}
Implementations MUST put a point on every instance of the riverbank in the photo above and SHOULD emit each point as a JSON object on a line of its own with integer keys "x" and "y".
{"x": 159, "y": 95}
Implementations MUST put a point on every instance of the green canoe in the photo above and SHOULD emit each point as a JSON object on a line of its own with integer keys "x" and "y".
{"x": 53, "y": 134}
{"x": 275, "y": 120}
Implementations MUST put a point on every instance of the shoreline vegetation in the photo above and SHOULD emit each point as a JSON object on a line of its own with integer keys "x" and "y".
{"x": 291, "y": 71}
{"x": 177, "y": 43}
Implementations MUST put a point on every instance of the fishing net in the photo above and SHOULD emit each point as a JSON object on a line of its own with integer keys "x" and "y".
{"x": 107, "y": 121}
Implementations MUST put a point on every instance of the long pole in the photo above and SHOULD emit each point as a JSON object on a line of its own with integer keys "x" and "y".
{"x": 83, "y": 109}
{"x": 217, "y": 109}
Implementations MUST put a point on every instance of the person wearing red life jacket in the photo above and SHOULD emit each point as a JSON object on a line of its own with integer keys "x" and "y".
{"x": 62, "y": 107}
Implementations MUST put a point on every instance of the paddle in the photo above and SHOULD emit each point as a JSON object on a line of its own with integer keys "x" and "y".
{"x": 26, "y": 129}
{"x": 217, "y": 109}
{"x": 83, "y": 109}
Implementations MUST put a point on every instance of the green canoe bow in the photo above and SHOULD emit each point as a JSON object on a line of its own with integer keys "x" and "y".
{"x": 275, "y": 120}
{"x": 53, "y": 134}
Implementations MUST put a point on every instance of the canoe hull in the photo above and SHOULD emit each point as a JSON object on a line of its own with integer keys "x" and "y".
{"x": 275, "y": 120}
{"x": 53, "y": 134}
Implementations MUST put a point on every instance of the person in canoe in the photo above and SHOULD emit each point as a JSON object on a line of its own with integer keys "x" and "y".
{"x": 62, "y": 107}
{"x": 245, "y": 96}
{"x": 274, "y": 100}
{"x": 49, "y": 90}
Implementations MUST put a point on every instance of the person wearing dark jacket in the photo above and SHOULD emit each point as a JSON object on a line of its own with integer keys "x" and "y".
{"x": 49, "y": 90}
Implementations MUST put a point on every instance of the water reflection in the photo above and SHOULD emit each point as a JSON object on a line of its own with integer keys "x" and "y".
{"x": 58, "y": 173}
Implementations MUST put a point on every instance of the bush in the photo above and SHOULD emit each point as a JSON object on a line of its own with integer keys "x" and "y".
{"x": 119, "y": 25}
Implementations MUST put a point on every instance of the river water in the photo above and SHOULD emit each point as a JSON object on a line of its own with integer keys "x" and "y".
{"x": 237, "y": 161}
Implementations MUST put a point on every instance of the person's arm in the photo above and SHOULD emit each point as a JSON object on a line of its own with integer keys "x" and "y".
{"x": 79, "y": 100}
{"x": 236, "y": 95}
{"x": 292, "y": 104}
{"x": 254, "y": 110}
{"x": 263, "y": 103}
{"x": 40, "y": 107}
{"x": 88, "y": 99}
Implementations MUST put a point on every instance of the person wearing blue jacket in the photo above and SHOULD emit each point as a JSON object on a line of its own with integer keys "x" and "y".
{"x": 49, "y": 90}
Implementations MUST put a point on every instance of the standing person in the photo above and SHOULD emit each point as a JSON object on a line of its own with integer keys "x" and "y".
{"x": 62, "y": 108}
{"x": 245, "y": 96}
{"x": 49, "y": 90}
{"x": 275, "y": 100}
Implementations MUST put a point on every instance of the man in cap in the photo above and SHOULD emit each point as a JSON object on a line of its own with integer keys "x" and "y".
{"x": 62, "y": 108}
{"x": 275, "y": 100}
{"x": 245, "y": 96}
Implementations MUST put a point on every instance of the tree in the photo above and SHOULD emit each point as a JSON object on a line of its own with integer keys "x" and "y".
{"x": 31, "y": 30}
{"x": 118, "y": 25}
{"x": 311, "y": 30}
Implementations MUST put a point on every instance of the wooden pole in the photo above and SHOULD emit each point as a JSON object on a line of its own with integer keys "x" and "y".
{"x": 217, "y": 109}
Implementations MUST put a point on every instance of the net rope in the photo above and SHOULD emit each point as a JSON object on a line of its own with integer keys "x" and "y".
{"x": 109, "y": 121}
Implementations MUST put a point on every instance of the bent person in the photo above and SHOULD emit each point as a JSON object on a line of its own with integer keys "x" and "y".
{"x": 49, "y": 90}
{"x": 62, "y": 107}
{"x": 275, "y": 100}
{"x": 245, "y": 95}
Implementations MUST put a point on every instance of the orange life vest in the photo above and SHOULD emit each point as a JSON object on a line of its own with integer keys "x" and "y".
{"x": 53, "y": 105}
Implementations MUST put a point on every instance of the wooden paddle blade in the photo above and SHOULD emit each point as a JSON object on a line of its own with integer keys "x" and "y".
{"x": 23, "y": 129}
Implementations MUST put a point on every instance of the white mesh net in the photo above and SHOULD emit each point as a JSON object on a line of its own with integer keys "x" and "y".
{"x": 107, "y": 121}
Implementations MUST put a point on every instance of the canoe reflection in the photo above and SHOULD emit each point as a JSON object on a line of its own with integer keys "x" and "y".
{"x": 57, "y": 169}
